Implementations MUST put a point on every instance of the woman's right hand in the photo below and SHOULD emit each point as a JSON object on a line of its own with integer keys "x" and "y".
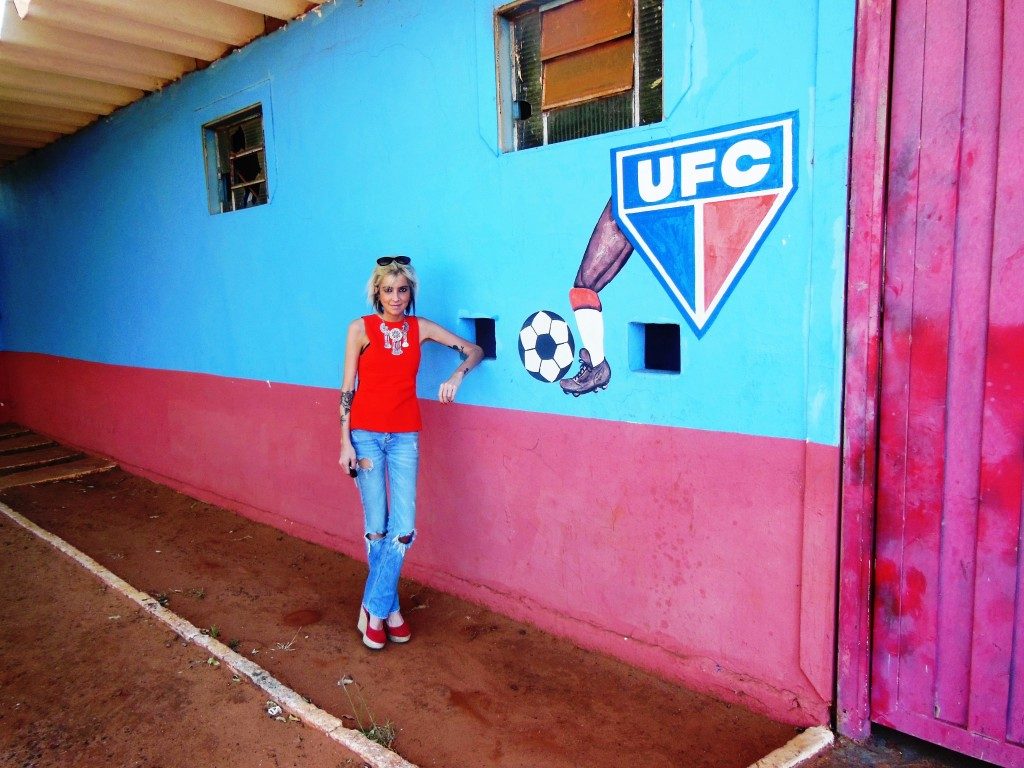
{"x": 347, "y": 461}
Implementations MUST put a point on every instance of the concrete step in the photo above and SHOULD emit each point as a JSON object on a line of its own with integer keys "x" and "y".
{"x": 40, "y": 457}
{"x": 21, "y": 442}
{"x": 64, "y": 471}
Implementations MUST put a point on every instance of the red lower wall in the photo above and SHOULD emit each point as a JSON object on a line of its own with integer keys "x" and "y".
{"x": 706, "y": 557}
{"x": 5, "y": 408}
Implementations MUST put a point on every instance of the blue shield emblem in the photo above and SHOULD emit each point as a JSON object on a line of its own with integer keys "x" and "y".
{"x": 697, "y": 207}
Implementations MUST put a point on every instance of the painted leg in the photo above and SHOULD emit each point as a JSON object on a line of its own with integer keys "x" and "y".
{"x": 607, "y": 252}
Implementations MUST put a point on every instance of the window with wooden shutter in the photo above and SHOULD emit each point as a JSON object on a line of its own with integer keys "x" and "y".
{"x": 577, "y": 68}
{"x": 587, "y": 50}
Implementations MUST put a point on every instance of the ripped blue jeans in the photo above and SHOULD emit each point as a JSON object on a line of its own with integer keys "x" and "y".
{"x": 386, "y": 464}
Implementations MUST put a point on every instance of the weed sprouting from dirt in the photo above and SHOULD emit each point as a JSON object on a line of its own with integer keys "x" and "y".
{"x": 382, "y": 733}
{"x": 287, "y": 646}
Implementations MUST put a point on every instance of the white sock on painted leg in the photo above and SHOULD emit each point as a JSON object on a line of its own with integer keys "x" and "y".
{"x": 590, "y": 323}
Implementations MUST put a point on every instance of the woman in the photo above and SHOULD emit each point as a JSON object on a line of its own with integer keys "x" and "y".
{"x": 380, "y": 426}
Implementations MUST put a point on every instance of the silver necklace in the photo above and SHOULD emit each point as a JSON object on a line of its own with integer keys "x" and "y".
{"x": 395, "y": 339}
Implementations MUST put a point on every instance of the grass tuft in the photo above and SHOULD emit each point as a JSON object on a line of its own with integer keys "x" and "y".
{"x": 382, "y": 733}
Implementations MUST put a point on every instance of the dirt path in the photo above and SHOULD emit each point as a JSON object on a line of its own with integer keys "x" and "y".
{"x": 89, "y": 678}
{"x": 472, "y": 689}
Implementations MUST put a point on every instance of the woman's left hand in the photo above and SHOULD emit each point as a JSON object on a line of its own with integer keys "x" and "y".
{"x": 446, "y": 394}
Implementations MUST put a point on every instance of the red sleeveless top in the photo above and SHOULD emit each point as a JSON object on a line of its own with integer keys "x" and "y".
{"x": 385, "y": 399}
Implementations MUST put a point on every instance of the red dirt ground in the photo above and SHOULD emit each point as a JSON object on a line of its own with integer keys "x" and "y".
{"x": 472, "y": 688}
{"x": 91, "y": 679}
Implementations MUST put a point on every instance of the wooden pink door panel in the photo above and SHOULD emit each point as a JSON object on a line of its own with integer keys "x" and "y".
{"x": 947, "y": 645}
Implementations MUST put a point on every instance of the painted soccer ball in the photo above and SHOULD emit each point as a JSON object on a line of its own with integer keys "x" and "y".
{"x": 546, "y": 346}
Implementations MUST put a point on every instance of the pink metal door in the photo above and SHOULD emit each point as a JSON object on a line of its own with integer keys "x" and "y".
{"x": 948, "y": 643}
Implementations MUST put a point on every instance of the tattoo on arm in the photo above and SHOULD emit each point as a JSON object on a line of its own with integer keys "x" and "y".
{"x": 346, "y": 404}
{"x": 460, "y": 349}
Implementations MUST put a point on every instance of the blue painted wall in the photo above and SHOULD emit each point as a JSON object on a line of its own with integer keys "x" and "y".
{"x": 382, "y": 138}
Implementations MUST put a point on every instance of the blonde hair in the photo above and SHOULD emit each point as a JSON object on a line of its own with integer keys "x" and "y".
{"x": 380, "y": 274}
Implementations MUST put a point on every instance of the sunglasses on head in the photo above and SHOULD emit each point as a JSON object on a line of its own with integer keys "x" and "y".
{"x": 385, "y": 260}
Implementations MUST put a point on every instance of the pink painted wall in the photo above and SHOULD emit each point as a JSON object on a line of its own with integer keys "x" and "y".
{"x": 708, "y": 557}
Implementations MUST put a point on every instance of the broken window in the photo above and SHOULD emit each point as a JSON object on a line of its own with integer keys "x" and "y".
{"x": 240, "y": 172}
{"x": 574, "y": 68}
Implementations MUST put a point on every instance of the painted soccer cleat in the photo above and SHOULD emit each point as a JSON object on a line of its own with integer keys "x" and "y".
{"x": 589, "y": 378}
